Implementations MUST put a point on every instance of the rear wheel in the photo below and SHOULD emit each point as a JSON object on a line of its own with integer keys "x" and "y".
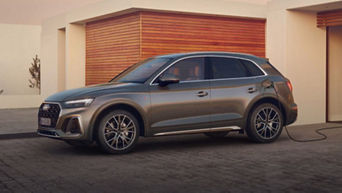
{"x": 118, "y": 132}
{"x": 265, "y": 123}
{"x": 217, "y": 134}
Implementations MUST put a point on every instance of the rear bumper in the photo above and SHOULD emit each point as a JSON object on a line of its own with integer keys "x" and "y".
{"x": 292, "y": 114}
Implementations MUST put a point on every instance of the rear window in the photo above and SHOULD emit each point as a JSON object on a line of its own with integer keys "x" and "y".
{"x": 252, "y": 69}
{"x": 227, "y": 68}
{"x": 224, "y": 67}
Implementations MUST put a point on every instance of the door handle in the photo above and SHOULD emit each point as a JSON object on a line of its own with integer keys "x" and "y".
{"x": 202, "y": 93}
{"x": 252, "y": 89}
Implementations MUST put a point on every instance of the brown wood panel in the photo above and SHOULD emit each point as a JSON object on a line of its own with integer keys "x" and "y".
{"x": 164, "y": 33}
{"x": 329, "y": 18}
{"x": 112, "y": 45}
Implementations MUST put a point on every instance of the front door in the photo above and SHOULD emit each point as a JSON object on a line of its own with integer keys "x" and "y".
{"x": 184, "y": 105}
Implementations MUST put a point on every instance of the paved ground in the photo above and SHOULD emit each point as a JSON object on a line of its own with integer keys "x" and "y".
{"x": 191, "y": 163}
{"x": 13, "y": 121}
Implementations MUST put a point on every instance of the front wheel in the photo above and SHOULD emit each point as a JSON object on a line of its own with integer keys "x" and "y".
{"x": 265, "y": 123}
{"x": 118, "y": 132}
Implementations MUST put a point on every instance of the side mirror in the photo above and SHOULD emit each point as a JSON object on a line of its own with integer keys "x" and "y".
{"x": 166, "y": 79}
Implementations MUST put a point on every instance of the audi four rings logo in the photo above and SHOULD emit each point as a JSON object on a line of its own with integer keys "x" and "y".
{"x": 46, "y": 107}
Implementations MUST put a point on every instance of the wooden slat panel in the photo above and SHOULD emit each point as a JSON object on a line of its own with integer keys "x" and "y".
{"x": 329, "y": 18}
{"x": 114, "y": 44}
{"x": 111, "y": 46}
{"x": 164, "y": 33}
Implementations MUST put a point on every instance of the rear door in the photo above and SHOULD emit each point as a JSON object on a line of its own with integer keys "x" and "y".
{"x": 234, "y": 83}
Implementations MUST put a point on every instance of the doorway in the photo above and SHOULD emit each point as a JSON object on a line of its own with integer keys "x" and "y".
{"x": 334, "y": 73}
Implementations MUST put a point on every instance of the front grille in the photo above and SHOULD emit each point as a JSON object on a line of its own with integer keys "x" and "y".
{"x": 52, "y": 112}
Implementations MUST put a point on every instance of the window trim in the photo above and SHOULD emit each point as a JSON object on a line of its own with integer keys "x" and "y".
{"x": 204, "y": 56}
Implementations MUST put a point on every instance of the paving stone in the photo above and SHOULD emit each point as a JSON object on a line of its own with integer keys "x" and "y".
{"x": 192, "y": 163}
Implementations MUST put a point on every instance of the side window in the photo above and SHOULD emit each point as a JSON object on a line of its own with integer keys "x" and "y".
{"x": 188, "y": 69}
{"x": 252, "y": 69}
{"x": 227, "y": 68}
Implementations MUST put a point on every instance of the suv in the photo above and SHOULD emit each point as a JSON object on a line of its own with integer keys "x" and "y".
{"x": 203, "y": 92}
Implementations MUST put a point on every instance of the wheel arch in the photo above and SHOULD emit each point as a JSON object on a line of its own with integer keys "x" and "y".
{"x": 268, "y": 99}
{"x": 112, "y": 106}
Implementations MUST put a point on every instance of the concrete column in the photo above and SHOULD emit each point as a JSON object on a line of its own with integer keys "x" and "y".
{"x": 334, "y": 74}
{"x": 306, "y": 65}
{"x": 75, "y": 56}
{"x": 298, "y": 49}
{"x": 61, "y": 59}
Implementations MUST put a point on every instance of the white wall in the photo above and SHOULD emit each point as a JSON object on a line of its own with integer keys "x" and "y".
{"x": 75, "y": 56}
{"x": 18, "y": 45}
{"x": 33, "y": 12}
{"x": 298, "y": 49}
{"x": 61, "y": 59}
{"x": 306, "y": 65}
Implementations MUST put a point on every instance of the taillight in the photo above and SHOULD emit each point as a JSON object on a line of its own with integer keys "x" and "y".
{"x": 289, "y": 85}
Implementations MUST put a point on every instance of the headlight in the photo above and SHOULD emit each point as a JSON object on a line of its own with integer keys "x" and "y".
{"x": 78, "y": 103}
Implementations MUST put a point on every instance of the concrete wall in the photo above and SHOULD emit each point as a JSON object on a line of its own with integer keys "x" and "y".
{"x": 335, "y": 74}
{"x": 298, "y": 48}
{"x": 61, "y": 43}
{"x": 75, "y": 56}
{"x": 19, "y": 44}
{"x": 306, "y": 65}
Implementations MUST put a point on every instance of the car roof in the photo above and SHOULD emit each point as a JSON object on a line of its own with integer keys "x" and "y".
{"x": 233, "y": 54}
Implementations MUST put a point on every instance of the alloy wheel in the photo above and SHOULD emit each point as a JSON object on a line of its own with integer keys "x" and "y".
{"x": 267, "y": 123}
{"x": 119, "y": 132}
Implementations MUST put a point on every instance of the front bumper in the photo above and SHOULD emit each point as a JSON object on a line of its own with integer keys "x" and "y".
{"x": 66, "y": 124}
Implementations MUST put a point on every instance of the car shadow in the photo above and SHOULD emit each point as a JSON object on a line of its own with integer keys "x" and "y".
{"x": 166, "y": 143}
{"x": 197, "y": 141}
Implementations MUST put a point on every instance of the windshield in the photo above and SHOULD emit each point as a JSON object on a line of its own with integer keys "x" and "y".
{"x": 141, "y": 71}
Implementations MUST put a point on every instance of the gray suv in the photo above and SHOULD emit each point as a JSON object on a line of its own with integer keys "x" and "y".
{"x": 203, "y": 92}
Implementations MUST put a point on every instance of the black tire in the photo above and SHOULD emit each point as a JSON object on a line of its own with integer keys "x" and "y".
{"x": 263, "y": 128}
{"x": 110, "y": 126}
{"x": 217, "y": 134}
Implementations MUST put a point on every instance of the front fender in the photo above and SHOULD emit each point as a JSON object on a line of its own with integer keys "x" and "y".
{"x": 102, "y": 105}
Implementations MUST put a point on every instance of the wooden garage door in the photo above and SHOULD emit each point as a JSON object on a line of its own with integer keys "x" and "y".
{"x": 114, "y": 44}
{"x": 164, "y": 33}
{"x": 111, "y": 46}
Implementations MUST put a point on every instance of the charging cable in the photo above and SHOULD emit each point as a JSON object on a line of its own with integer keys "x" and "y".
{"x": 318, "y": 131}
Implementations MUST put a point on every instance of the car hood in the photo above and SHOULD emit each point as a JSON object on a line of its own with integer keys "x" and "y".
{"x": 88, "y": 92}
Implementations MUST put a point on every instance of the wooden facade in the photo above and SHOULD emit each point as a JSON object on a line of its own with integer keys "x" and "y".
{"x": 329, "y": 18}
{"x": 114, "y": 44}
{"x": 111, "y": 45}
